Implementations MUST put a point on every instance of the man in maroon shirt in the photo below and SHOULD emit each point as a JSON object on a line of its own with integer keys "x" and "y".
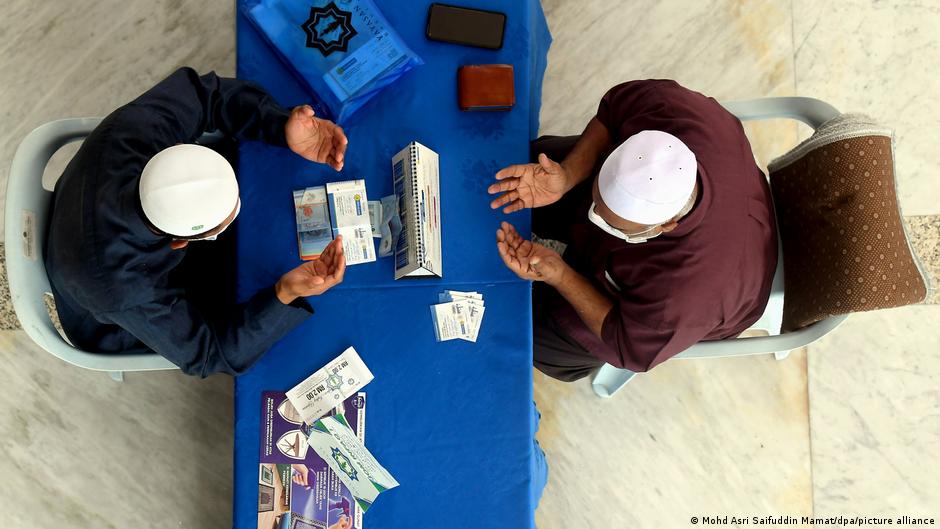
{"x": 703, "y": 273}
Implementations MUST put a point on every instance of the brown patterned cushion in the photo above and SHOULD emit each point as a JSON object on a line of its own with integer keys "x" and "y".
{"x": 845, "y": 248}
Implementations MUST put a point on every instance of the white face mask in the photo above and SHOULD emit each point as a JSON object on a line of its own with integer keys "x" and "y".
{"x": 633, "y": 238}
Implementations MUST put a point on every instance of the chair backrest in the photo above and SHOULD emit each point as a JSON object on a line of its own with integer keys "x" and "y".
{"x": 801, "y": 329}
{"x": 840, "y": 224}
{"x": 26, "y": 222}
{"x": 814, "y": 113}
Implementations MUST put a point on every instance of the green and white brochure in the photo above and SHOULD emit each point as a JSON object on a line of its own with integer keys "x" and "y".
{"x": 333, "y": 440}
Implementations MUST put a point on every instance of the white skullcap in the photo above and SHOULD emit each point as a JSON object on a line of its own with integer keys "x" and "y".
{"x": 187, "y": 189}
{"x": 648, "y": 178}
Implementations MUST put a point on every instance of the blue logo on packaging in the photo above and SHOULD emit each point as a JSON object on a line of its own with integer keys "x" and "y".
{"x": 329, "y": 29}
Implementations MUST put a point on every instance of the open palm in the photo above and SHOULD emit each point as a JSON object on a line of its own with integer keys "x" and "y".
{"x": 529, "y": 260}
{"x": 316, "y": 277}
{"x": 318, "y": 140}
{"x": 529, "y": 185}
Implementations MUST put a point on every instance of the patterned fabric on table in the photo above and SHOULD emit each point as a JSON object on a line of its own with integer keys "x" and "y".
{"x": 845, "y": 248}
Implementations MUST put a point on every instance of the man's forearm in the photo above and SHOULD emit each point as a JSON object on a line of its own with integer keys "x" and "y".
{"x": 594, "y": 142}
{"x": 238, "y": 108}
{"x": 591, "y": 304}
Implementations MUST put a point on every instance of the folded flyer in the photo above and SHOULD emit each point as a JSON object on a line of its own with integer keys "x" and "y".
{"x": 338, "y": 208}
{"x": 333, "y": 439}
{"x": 349, "y": 217}
{"x": 329, "y": 386}
{"x": 296, "y": 487}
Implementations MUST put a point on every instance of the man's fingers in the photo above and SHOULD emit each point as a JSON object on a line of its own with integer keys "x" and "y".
{"x": 332, "y": 250}
{"x": 525, "y": 247}
{"x": 515, "y": 206}
{"x": 511, "y": 233}
{"x": 340, "y": 269}
{"x": 505, "y": 185}
{"x": 507, "y": 230}
{"x": 507, "y": 259}
{"x": 324, "y": 149}
{"x": 505, "y": 198}
{"x": 548, "y": 164}
{"x": 331, "y": 161}
{"x": 328, "y": 252}
{"x": 512, "y": 170}
{"x": 497, "y": 202}
{"x": 339, "y": 143}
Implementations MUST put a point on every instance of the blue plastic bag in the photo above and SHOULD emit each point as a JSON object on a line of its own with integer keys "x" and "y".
{"x": 344, "y": 50}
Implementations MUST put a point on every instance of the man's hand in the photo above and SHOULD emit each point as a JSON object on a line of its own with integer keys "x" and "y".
{"x": 299, "y": 475}
{"x": 314, "y": 277}
{"x": 529, "y": 185}
{"x": 344, "y": 522}
{"x": 317, "y": 140}
{"x": 527, "y": 259}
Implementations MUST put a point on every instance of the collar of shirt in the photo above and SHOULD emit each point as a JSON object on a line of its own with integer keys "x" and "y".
{"x": 694, "y": 217}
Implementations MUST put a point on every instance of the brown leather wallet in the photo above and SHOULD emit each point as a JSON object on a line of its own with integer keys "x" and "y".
{"x": 485, "y": 87}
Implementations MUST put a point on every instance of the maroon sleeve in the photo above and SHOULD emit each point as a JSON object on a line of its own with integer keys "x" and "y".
{"x": 626, "y": 102}
{"x": 636, "y": 346}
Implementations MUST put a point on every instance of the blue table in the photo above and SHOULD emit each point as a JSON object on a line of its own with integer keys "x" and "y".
{"x": 453, "y": 422}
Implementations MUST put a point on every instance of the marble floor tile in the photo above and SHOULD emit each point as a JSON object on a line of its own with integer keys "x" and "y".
{"x": 727, "y": 50}
{"x": 879, "y": 58}
{"x": 692, "y": 437}
{"x": 925, "y": 239}
{"x": 82, "y": 451}
{"x": 86, "y": 58}
{"x": 875, "y": 415}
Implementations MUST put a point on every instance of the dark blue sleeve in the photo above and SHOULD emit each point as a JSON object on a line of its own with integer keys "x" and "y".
{"x": 227, "y": 341}
{"x": 185, "y": 105}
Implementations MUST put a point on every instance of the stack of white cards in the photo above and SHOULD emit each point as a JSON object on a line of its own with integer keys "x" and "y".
{"x": 458, "y": 316}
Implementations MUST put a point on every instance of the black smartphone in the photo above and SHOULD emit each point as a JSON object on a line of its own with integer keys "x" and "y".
{"x": 462, "y": 25}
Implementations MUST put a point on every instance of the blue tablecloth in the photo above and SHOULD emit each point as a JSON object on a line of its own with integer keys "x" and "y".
{"x": 453, "y": 422}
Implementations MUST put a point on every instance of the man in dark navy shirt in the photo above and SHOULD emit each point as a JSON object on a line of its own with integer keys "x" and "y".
{"x": 647, "y": 272}
{"x": 122, "y": 279}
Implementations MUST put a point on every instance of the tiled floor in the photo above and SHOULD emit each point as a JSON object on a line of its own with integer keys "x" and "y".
{"x": 848, "y": 426}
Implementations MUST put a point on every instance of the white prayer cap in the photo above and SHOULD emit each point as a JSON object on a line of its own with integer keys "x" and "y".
{"x": 648, "y": 178}
{"x": 188, "y": 189}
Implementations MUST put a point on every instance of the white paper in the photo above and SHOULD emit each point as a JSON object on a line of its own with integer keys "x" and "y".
{"x": 333, "y": 440}
{"x": 451, "y": 320}
{"x": 330, "y": 386}
{"x": 474, "y": 310}
{"x": 349, "y": 212}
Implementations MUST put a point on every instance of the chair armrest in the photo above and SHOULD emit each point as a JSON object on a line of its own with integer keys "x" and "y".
{"x": 811, "y": 111}
{"x": 763, "y": 344}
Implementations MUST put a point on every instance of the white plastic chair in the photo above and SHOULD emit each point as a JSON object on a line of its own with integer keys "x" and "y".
{"x": 814, "y": 113}
{"x": 26, "y": 216}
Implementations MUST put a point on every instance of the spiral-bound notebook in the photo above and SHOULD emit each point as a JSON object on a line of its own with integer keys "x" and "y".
{"x": 416, "y": 179}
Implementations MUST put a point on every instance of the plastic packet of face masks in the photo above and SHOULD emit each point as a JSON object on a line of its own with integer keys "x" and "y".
{"x": 343, "y": 50}
{"x": 386, "y": 223}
